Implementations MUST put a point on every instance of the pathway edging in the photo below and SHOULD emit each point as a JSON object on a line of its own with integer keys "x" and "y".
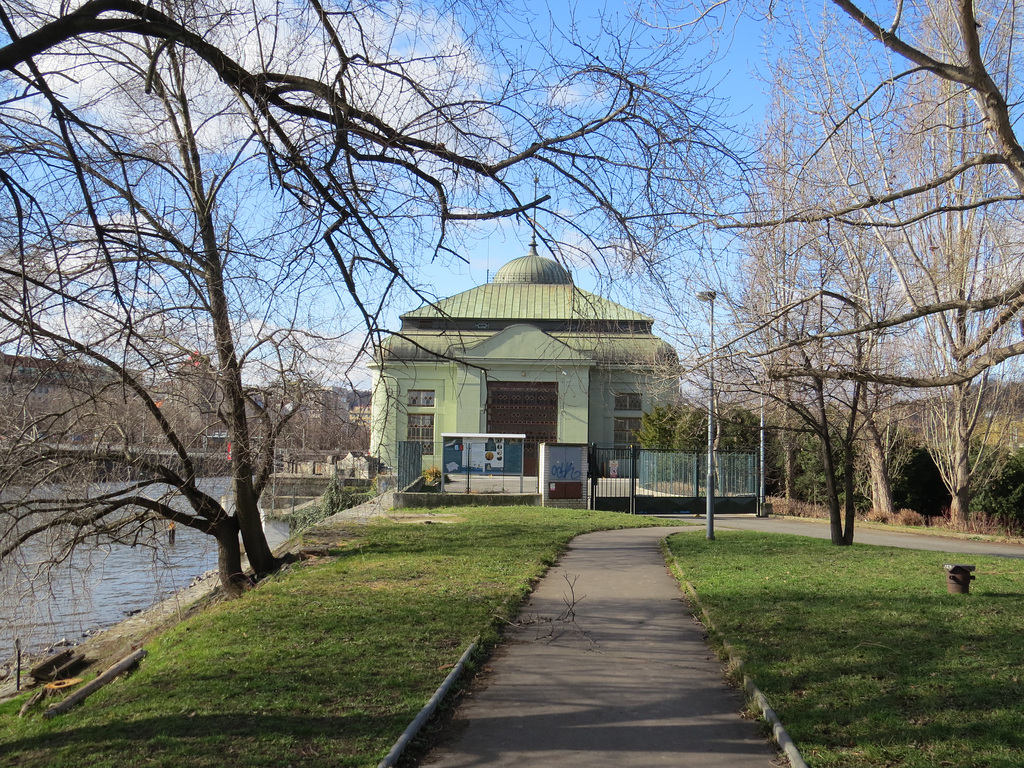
{"x": 782, "y": 738}
{"x": 414, "y": 727}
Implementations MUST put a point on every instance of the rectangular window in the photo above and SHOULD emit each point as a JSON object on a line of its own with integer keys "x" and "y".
{"x": 625, "y": 431}
{"x": 627, "y": 401}
{"x": 421, "y": 430}
{"x": 423, "y": 398}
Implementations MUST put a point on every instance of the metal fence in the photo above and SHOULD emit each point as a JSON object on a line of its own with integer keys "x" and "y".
{"x": 634, "y": 479}
{"x": 410, "y": 463}
{"x": 471, "y": 471}
{"x": 685, "y": 474}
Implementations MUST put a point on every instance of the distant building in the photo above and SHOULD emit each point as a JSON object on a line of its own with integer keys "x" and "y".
{"x": 528, "y": 353}
{"x": 44, "y": 397}
{"x": 360, "y": 415}
{"x": 42, "y": 382}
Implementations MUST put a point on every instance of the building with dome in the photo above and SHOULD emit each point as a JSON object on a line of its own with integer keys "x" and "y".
{"x": 527, "y": 353}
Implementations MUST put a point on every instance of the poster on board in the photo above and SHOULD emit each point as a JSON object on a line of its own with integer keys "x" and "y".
{"x": 485, "y": 454}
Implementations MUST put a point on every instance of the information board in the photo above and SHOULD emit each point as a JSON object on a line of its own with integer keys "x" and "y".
{"x": 497, "y": 454}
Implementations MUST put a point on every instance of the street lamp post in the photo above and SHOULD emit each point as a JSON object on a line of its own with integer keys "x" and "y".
{"x": 761, "y": 485}
{"x": 709, "y": 297}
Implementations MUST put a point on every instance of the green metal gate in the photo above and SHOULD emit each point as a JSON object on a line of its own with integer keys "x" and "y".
{"x": 410, "y": 463}
{"x": 644, "y": 480}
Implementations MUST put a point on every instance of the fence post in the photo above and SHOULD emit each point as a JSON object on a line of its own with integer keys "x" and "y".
{"x": 633, "y": 451}
{"x": 591, "y": 474}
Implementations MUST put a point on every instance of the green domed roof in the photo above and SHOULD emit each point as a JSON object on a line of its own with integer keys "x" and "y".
{"x": 529, "y": 289}
{"x": 532, "y": 269}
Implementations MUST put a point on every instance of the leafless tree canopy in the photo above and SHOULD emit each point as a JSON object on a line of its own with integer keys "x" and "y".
{"x": 898, "y": 122}
{"x": 189, "y": 190}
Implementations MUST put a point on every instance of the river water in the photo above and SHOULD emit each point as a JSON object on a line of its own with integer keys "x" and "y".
{"x": 99, "y": 587}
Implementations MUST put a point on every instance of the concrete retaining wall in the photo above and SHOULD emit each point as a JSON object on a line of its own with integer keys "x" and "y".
{"x": 422, "y": 500}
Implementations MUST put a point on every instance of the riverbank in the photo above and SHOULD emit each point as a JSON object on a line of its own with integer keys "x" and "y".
{"x": 104, "y": 647}
{"x": 325, "y": 663}
{"x": 52, "y": 597}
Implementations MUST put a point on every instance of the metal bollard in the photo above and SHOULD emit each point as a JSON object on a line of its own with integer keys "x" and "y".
{"x": 958, "y": 578}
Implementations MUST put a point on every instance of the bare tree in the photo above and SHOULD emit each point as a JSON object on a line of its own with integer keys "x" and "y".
{"x": 798, "y": 284}
{"x": 923, "y": 131}
{"x": 830, "y": 409}
{"x": 175, "y": 304}
{"x": 379, "y": 135}
{"x": 897, "y": 175}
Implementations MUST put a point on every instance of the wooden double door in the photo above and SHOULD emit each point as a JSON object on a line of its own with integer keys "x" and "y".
{"x": 518, "y": 407}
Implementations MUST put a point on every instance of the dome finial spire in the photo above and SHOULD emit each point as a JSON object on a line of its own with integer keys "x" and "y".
{"x": 533, "y": 221}
{"x": 533, "y": 269}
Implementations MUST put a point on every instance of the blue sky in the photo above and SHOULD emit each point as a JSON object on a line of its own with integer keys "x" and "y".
{"x": 505, "y": 240}
{"x": 734, "y": 78}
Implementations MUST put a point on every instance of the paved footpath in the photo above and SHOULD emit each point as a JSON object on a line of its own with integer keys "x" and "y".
{"x": 606, "y": 667}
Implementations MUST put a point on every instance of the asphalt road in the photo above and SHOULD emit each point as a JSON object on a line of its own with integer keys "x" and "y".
{"x": 863, "y": 534}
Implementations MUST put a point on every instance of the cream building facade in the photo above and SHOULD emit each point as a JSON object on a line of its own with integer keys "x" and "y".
{"x": 527, "y": 353}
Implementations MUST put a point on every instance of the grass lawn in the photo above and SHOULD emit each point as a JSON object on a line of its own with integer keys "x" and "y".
{"x": 323, "y": 665}
{"x": 863, "y": 654}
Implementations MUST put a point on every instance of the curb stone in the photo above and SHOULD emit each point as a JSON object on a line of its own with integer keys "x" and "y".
{"x": 782, "y": 738}
{"x": 414, "y": 727}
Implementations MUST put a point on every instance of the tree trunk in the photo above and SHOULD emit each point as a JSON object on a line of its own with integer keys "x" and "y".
{"x": 246, "y": 510}
{"x": 229, "y": 557}
{"x": 250, "y": 525}
{"x": 790, "y": 468}
{"x": 831, "y": 490}
{"x": 878, "y": 466}
{"x": 849, "y": 491}
{"x": 849, "y": 457}
{"x": 828, "y": 465}
{"x": 960, "y": 431}
{"x": 960, "y": 488}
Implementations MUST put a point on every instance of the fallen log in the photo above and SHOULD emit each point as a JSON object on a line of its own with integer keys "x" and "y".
{"x": 94, "y": 685}
{"x": 34, "y": 699}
